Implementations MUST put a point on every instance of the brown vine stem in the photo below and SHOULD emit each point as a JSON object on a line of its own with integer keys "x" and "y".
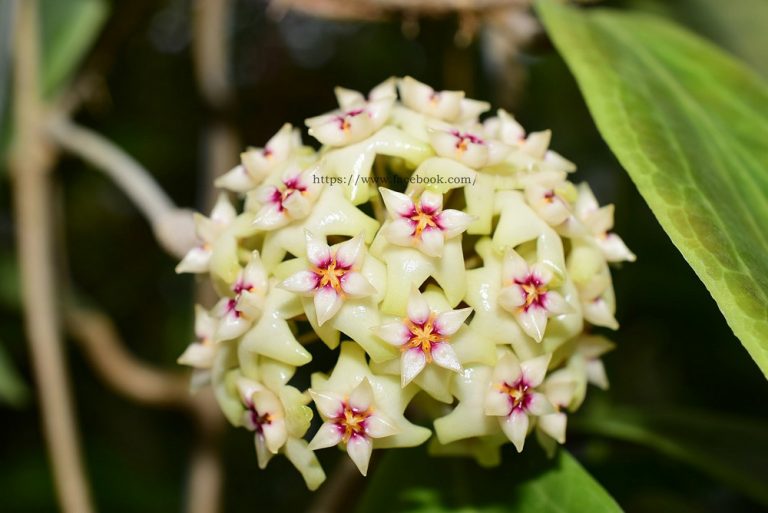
{"x": 118, "y": 368}
{"x": 31, "y": 161}
{"x": 173, "y": 227}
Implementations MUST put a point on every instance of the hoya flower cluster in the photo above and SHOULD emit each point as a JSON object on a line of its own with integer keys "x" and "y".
{"x": 448, "y": 262}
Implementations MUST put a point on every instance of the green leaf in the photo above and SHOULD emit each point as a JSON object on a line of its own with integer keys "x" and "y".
{"x": 69, "y": 28}
{"x": 689, "y": 124}
{"x": 408, "y": 480}
{"x": 728, "y": 448}
{"x": 13, "y": 391}
{"x": 739, "y": 28}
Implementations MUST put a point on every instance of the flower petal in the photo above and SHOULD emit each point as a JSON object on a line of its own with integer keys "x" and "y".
{"x": 350, "y": 253}
{"x": 318, "y": 252}
{"x": 301, "y": 282}
{"x": 412, "y": 363}
{"x": 554, "y": 424}
{"x": 195, "y": 261}
{"x": 199, "y": 356}
{"x": 533, "y": 321}
{"x": 378, "y": 426}
{"x": 448, "y": 323}
{"x": 539, "y": 405}
{"x": 327, "y": 303}
{"x": 496, "y": 403}
{"x": 431, "y": 202}
{"x": 596, "y": 373}
{"x": 328, "y": 404}
{"x": 327, "y": 436}
{"x": 514, "y": 267}
{"x": 398, "y": 232}
{"x": 555, "y": 304}
{"x": 512, "y": 298}
{"x": 535, "y": 369}
{"x": 515, "y": 426}
{"x": 356, "y": 285}
{"x": 263, "y": 454}
{"x": 454, "y": 222}
{"x": 418, "y": 309}
{"x": 507, "y": 369}
{"x": 359, "y": 449}
{"x": 432, "y": 242}
{"x": 397, "y": 203}
{"x": 395, "y": 333}
{"x": 444, "y": 356}
{"x": 361, "y": 396}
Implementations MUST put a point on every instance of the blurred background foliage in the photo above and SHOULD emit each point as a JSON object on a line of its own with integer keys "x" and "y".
{"x": 687, "y": 406}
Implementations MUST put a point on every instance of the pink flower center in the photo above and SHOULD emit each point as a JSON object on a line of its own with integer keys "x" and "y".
{"x": 330, "y": 274}
{"x": 343, "y": 120}
{"x": 519, "y": 394}
{"x": 423, "y": 336}
{"x": 351, "y": 421}
{"x": 423, "y": 218}
{"x": 290, "y": 186}
{"x": 464, "y": 139}
{"x": 535, "y": 292}
{"x": 259, "y": 420}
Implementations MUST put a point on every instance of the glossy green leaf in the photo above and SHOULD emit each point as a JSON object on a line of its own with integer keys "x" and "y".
{"x": 729, "y": 449}
{"x": 690, "y": 125}
{"x": 408, "y": 480}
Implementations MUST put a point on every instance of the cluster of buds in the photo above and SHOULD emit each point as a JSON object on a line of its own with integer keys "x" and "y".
{"x": 464, "y": 297}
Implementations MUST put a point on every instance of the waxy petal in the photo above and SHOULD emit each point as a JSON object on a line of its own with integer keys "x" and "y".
{"x": 302, "y": 282}
{"x": 350, "y": 253}
{"x": 432, "y": 242}
{"x": 453, "y": 222}
{"x": 418, "y": 309}
{"x": 378, "y": 426}
{"x": 448, "y": 323}
{"x": 354, "y": 284}
{"x": 361, "y": 396}
{"x": 507, "y": 369}
{"x": 397, "y": 203}
{"x": 359, "y": 449}
{"x": 431, "y": 202}
{"x": 399, "y": 232}
{"x": 515, "y": 426}
{"x": 596, "y": 373}
{"x": 199, "y": 356}
{"x": 412, "y": 363}
{"x": 327, "y": 436}
{"x": 318, "y": 252}
{"x": 554, "y": 425}
{"x": 327, "y": 304}
{"x": 422, "y": 98}
{"x": 514, "y": 267}
{"x": 196, "y": 260}
{"x": 539, "y": 405}
{"x": 535, "y": 369}
{"x": 395, "y": 333}
{"x": 329, "y": 405}
{"x": 533, "y": 321}
{"x": 263, "y": 454}
{"x": 512, "y": 298}
{"x": 444, "y": 356}
{"x": 555, "y": 303}
{"x": 496, "y": 403}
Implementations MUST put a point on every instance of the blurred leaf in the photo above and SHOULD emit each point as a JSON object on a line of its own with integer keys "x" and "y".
{"x": 689, "y": 124}
{"x": 409, "y": 480}
{"x": 729, "y": 449}
{"x": 740, "y": 27}
{"x": 13, "y": 391}
{"x": 69, "y": 28}
{"x": 10, "y": 293}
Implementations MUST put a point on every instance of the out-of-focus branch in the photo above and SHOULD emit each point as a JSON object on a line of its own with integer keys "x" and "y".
{"x": 335, "y": 493}
{"x": 132, "y": 378}
{"x": 31, "y": 160}
{"x": 173, "y": 227}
